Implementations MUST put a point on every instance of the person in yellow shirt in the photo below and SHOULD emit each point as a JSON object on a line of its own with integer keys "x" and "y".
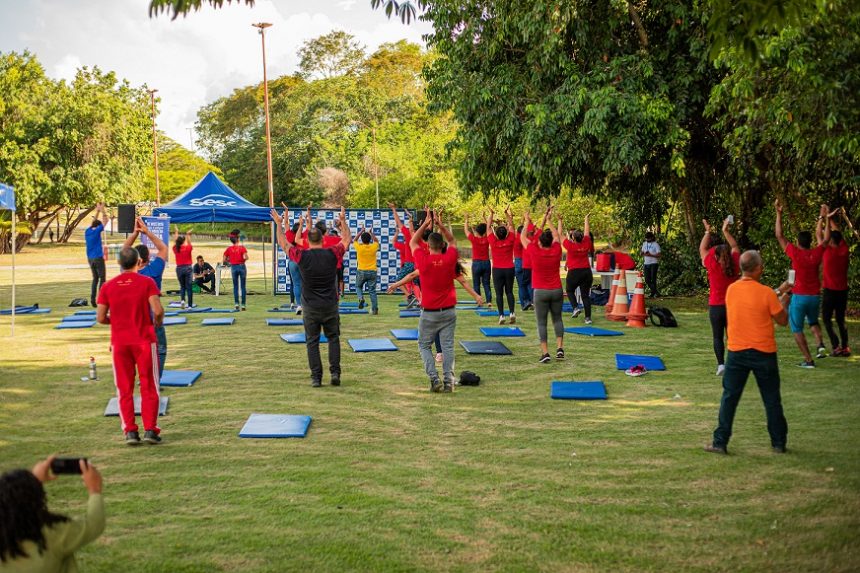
{"x": 752, "y": 309}
{"x": 34, "y": 539}
{"x": 366, "y": 248}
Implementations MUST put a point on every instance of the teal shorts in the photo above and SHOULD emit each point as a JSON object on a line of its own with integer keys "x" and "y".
{"x": 802, "y": 307}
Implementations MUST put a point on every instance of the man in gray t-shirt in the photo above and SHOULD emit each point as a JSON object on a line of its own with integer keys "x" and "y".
{"x": 651, "y": 252}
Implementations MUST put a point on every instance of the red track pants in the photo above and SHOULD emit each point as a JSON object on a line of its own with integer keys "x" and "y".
{"x": 143, "y": 358}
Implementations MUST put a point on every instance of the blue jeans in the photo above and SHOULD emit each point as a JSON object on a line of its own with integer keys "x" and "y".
{"x": 481, "y": 275}
{"x": 185, "y": 275}
{"x": 161, "y": 348}
{"x": 296, "y": 281}
{"x": 239, "y": 274}
{"x": 366, "y": 278}
{"x": 526, "y": 291}
{"x": 518, "y": 275}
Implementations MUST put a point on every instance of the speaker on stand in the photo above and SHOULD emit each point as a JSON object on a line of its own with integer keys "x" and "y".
{"x": 125, "y": 218}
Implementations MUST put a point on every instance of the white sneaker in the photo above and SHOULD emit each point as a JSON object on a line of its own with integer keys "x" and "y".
{"x": 513, "y": 318}
{"x": 183, "y": 305}
{"x": 501, "y": 319}
{"x": 298, "y": 310}
{"x": 576, "y": 312}
{"x": 589, "y": 321}
{"x": 721, "y": 369}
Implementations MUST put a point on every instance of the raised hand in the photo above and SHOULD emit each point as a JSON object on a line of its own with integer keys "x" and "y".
{"x": 778, "y": 206}
{"x": 276, "y": 218}
{"x": 42, "y": 470}
{"x": 707, "y": 225}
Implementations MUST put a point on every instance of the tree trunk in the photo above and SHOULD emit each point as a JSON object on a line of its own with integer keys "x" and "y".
{"x": 72, "y": 225}
{"x": 690, "y": 214}
{"x": 50, "y": 219}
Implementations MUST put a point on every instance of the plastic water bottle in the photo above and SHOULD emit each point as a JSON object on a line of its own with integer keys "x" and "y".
{"x": 93, "y": 372}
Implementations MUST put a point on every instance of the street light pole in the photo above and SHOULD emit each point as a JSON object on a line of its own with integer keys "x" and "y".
{"x": 261, "y": 26}
{"x": 375, "y": 167}
{"x": 155, "y": 148}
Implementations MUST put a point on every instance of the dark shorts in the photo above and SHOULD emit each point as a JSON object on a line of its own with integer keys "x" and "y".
{"x": 406, "y": 269}
{"x": 339, "y": 275}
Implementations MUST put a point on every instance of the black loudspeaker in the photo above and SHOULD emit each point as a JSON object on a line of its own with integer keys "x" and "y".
{"x": 126, "y": 216}
{"x": 420, "y": 215}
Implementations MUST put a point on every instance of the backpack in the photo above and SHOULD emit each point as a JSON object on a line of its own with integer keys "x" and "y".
{"x": 78, "y": 302}
{"x": 468, "y": 378}
{"x": 664, "y": 317}
{"x": 598, "y": 296}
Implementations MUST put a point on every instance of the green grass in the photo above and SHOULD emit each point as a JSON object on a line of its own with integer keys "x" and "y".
{"x": 393, "y": 478}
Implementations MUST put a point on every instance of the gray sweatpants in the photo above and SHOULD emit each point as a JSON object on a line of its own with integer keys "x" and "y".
{"x": 443, "y": 324}
{"x": 546, "y": 302}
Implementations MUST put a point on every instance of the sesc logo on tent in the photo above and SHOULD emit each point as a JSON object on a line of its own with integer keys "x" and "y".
{"x": 213, "y": 201}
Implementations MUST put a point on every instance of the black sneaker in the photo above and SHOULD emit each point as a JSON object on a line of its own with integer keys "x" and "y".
{"x": 448, "y": 388}
{"x": 559, "y": 354}
{"x": 779, "y": 449}
{"x": 316, "y": 383}
{"x": 335, "y": 380}
{"x": 435, "y": 386}
{"x": 361, "y": 304}
{"x": 711, "y": 448}
{"x": 808, "y": 365}
{"x": 544, "y": 359}
{"x": 132, "y": 438}
{"x": 150, "y": 437}
{"x": 374, "y": 312}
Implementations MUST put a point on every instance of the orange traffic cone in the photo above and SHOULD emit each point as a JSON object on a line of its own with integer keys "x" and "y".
{"x": 607, "y": 310}
{"x": 636, "y": 316}
{"x": 619, "y": 309}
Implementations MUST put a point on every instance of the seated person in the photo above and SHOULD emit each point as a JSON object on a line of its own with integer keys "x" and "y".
{"x": 203, "y": 275}
{"x": 623, "y": 260}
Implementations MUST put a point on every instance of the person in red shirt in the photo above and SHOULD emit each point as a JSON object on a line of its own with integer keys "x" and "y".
{"x": 806, "y": 263}
{"x": 407, "y": 262}
{"x": 481, "y": 268}
{"x": 526, "y": 290}
{"x": 184, "y": 270}
{"x": 723, "y": 267}
{"x": 623, "y": 260}
{"x": 235, "y": 255}
{"x": 134, "y": 307}
{"x": 579, "y": 246}
{"x": 501, "y": 242}
{"x": 548, "y": 296}
{"x": 835, "y": 292}
{"x": 438, "y": 271}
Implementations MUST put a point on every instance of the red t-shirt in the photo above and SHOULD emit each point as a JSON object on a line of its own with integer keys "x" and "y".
{"x": 836, "y": 267}
{"x": 438, "y": 273}
{"x": 717, "y": 278}
{"x": 623, "y": 261}
{"x": 127, "y": 298}
{"x": 329, "y": 241}
{"x": 235, "y": 254}
{"x": 577, "y": 253}
{"x": 183, "y": 253}
{"x": 518, "y": 246}
{"x": 403, "y": 249}
{"x": 805, "y": 263}
{"x": 503, "y": 251}
{"x": 531, "y": 236}
{"x": 480, "y": 247}
{"x": 545, "y": 266}
{"x": 406, "y": 254}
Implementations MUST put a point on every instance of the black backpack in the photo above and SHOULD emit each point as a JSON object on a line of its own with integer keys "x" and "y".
{"x": 664, "y": 317}
{"x": 468, "y": 378}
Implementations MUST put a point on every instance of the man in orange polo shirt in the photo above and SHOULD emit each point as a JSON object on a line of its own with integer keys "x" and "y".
{"x": 752, "y": 308}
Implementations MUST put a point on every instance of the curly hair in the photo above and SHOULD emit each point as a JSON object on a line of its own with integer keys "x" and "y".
{"x": 724, "y": 256}
{"x": 23, "y": 513}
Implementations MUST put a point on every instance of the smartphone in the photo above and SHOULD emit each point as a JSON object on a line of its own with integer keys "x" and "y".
{"x": 791, "y": 275}
{"x": 66, "y": 465}
{"x": 731, "y": 219}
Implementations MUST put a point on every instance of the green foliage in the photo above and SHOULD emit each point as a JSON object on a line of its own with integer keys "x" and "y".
{"x": 334, "y": 54}
{"x": 183, "y": 7}
{"x": 178, "y": 170}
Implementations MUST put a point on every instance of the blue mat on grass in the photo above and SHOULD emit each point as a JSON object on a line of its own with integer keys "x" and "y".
{"x": 404, "y": 333}
{"x": 217, "y": 321}
{"x": 344, "y": 304}
{"x": 625, "y": 361}
{"x": 275, "y": 426}
{"x": 75, "y": 318}
{"x": 577, "y": 391}
{"x": 284, "y": 322}
{"x": 18, "y": 310}
{"x": 592, "y": 331}
{"x": 196, "y": 309}
{"x": 502, "y": 331}
{"x": 484, "y": 347}
{"x": 371, "y": 345}
{"x": 179, "y": 377}
{"x": 85, "y": 312}
{"x": 352, "y": 311}
{"x": 221, "y": 310}
{"x": 112, "y": 408}
{"x": 299, "y": 338}
{"x": 171, "y": 313}
{"x": 75, "y": 324}
{"x": 283, "y": 309}
{"x": 174, "y": 320}
{"x": 410, "y": 313}
{"x": 490, "y": 312}
{"x": 44, "y": 311}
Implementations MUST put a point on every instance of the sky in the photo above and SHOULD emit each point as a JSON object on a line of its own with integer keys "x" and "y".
{"x": 194, "y": 60}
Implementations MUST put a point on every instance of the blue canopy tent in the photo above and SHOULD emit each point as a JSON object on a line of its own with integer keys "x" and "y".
{"x": 7, "y": 201}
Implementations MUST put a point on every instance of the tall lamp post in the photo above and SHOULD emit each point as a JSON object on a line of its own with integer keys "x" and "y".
{"x": 261, "y": 26}
{"x": 155, "y": 148}
{"x": 375, "y": 157}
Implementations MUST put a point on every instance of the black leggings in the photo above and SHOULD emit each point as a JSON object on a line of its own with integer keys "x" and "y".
{"x": 835, "y": 301}
{"x": 717, "y": 314}
{"x": 580, "y": 279}
{"x": 503, "y": 283}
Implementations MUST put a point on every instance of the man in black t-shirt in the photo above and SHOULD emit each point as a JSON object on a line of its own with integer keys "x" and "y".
{"x": 318, "y": 267}
{"x": 203, "y": 275}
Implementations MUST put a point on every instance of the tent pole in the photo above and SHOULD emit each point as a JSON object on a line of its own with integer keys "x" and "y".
{"x": 14, "y": 229}
{"x": 263, "y": 241}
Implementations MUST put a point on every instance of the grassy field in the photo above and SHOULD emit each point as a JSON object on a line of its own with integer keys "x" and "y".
{"x": 393, "y": 478}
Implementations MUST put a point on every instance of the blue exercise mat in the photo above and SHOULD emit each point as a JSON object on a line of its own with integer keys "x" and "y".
{"x": 348, "y": 304}
{"x": 371, "y": 345}
{"x": 221, "y": 310}
{"x": 490, "y": 312}
{"x": 352, "y": 311}
{"x": 466, "y": 307}
{"x": 410, "y": 313}
{"x": 18, "y": 310}
{"x": 299, "y": 338}
{"x": 112, "y": 408}
{"x": 174, "y": 320}
{"x": 502, "y": 331}
{"x": 405, "y": 333}
{"x": 282, "y": 310}
{"x": 217, "y": 321}
{"x": 195, "y": 310}
{"x": 284, "y": 322}
{"x": 577, "y": 391}
{"x": 592, "y": 331}
{"x": 85, "y": 312}
{"x": 275, "y": 426}
{"x": 44, "y": 311}
{"x": 74, "y": 318}
{"x": 484, "y": 347}
{"x": 76, "y": 324}
{"x": 179, "y": 377}
{"x": 171, "y": 313}
{"x": 625, "y": 361}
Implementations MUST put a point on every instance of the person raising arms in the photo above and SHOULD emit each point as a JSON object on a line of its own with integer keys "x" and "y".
{"x": 366, "y": 249}
{"x": 481, "y": 268}
{"x": 235, "y": 255}
{"x": 501, "y": 242}
{"x": 579, "y": 246}
{"x": 184, "y": 272}
{"x": 835, "y": 292}
{"x": 407, "y": 262}
{"x": 722, "y": 263}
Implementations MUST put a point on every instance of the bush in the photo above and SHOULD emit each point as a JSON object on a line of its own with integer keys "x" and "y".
{"x": 23, "y": 236}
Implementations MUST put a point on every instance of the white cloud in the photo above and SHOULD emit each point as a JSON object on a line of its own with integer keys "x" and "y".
{"x": 67, "y": 67}
{"x": 346, "y": 5}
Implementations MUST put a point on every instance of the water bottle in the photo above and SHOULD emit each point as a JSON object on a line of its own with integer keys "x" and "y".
{"x": 93, "y": 373}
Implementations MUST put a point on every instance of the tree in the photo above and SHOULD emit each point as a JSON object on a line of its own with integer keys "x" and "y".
{"x": 334, "y": 54}
{"x": 178, "y": 170}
